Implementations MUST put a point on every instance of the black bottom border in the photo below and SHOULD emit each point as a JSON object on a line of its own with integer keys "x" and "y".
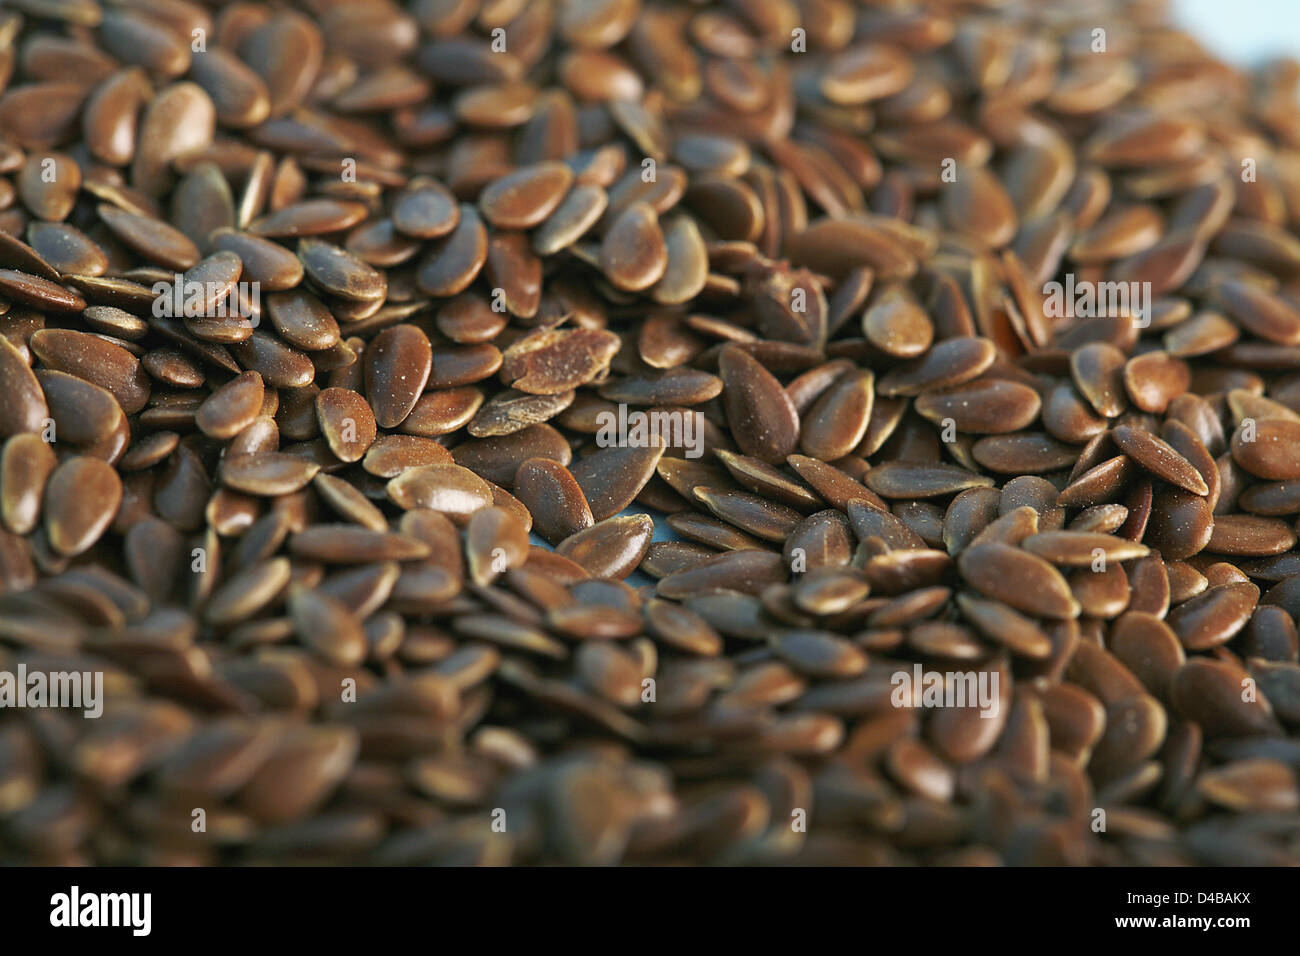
{"x": 230, "y": 907}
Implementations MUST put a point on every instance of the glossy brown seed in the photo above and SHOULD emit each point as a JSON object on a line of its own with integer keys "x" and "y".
{"x": 231, "y": 408}
{"x": 26, "y": 462}
{"x": 425, "y": 210}
{"x": 1097, "y": 370}
{"x": 838, "y": 420}
{"x": 581, "y": 209}
{"x": 1004, "y": 626}
{"x": 1081, "y": 548}
{"x": 81, "y": 499}
{"x": 1022, "y": 580}
{"x": 152, "y": 238}
{"x": 1214, "y": 694}
{"x": 1156, "y": 456}
{"x": 1250, "y": 535}
{"x": 761, "y": 416}
{"x": 978, "y": 205}
{"x": 611, "y": 548}
{"x": 351, "y": 544}
{"x": 527, "y": 196}
{"x": 1155, "y": 379}
{"x": 897, "y": 479}
{"x": 267, "y": 473}
{"x": 39, "y": 293}
{"x": 984, "y": 407}
{"x": 339, "y": 273}
{"x": 268, "y": 263}
{"x": 1215, "y": 616}
{"x": 633, "y": 252}
{"x": 554, "y": 498}
{"x": 610, "y": 479}
{"x": 302, "y": 320}
{"x": 390, "y": 455}
{"x": 398, "y": 363}
{"x": 24, "y": 408}
{"x": 450, "y": 489}
{"x": 346, "y": 422}
{"x": 311, "y": 217}
{"x": 1268, "y": 449}
{"x": 948, "y": 363}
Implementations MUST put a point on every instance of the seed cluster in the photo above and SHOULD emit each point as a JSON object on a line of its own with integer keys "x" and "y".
{"x": 311, "y": 314}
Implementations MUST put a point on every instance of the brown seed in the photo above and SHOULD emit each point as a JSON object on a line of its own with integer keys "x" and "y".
{"x": 39, "y": 293}
{"x": 526, "y": 197}
{"x": 1155, "y": 379}
{"x": 1264, "y": 315}
{"x": 948, "y": 363}
{"x": 495, "y": 541}
{"x": 984, "y": 407}
{"x": 455, "y": 260}
{"x": 268, "y": 263}
{"x": 390, "y": 455}
{"x": 579, "y": 211}
{"x": 763, "y": 519}
{"x": 1080, "y": 548}
{"x": 1150, "y": 649}
{"x": 1157, "y": 457}
{"x": 1001, "y": 624}
{"x": 352, "y": 544}
{"x": 346, "y": 421}
{"x": 267, "y": 473}
{"x": 633, "y": 252}
{"x": 838, "y": 420}
{"x": 231, "y": 408}
{"x": 328, "y": 627}
{"x": 1022, "y": 452}
{"x": 898, "y": 327}
{"x": 1098, "y": 371}
{"x": 497, "y": 459}
{"x": 450, "y": 489}
{"x": 611, "y": 478}
{"x": 977, "y": 204}
{"x": 311, "y": 217}
{"x": 762, "y": 418}
{"x": 554, "y": 361}
{"x": 398, "y": 363}
{"x": 425, "y": 211}
{"x": 1268, "y": 449}
{"x": 897, "y": 479}
{"x": 24, "y": 408}
{"x": 81, "y": 499}
{"x": 26, "y": 462}
{"x": 1250, "y": 535}
{"x": 340, "y": 273}
{"x": 1215, "y": 616}
{"x": 302, "y": 320}
{"x": 1181, "y": 524}
{"x": 553, "y": 497}
{"x": 152, "y": 238}
{"x": 1024, "y": 581}
{"x": 1213, "y": 694}
{"x": 745, "y": 571}
{"x": 611, "y": 548}
{"x": 1252, "y": 786}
